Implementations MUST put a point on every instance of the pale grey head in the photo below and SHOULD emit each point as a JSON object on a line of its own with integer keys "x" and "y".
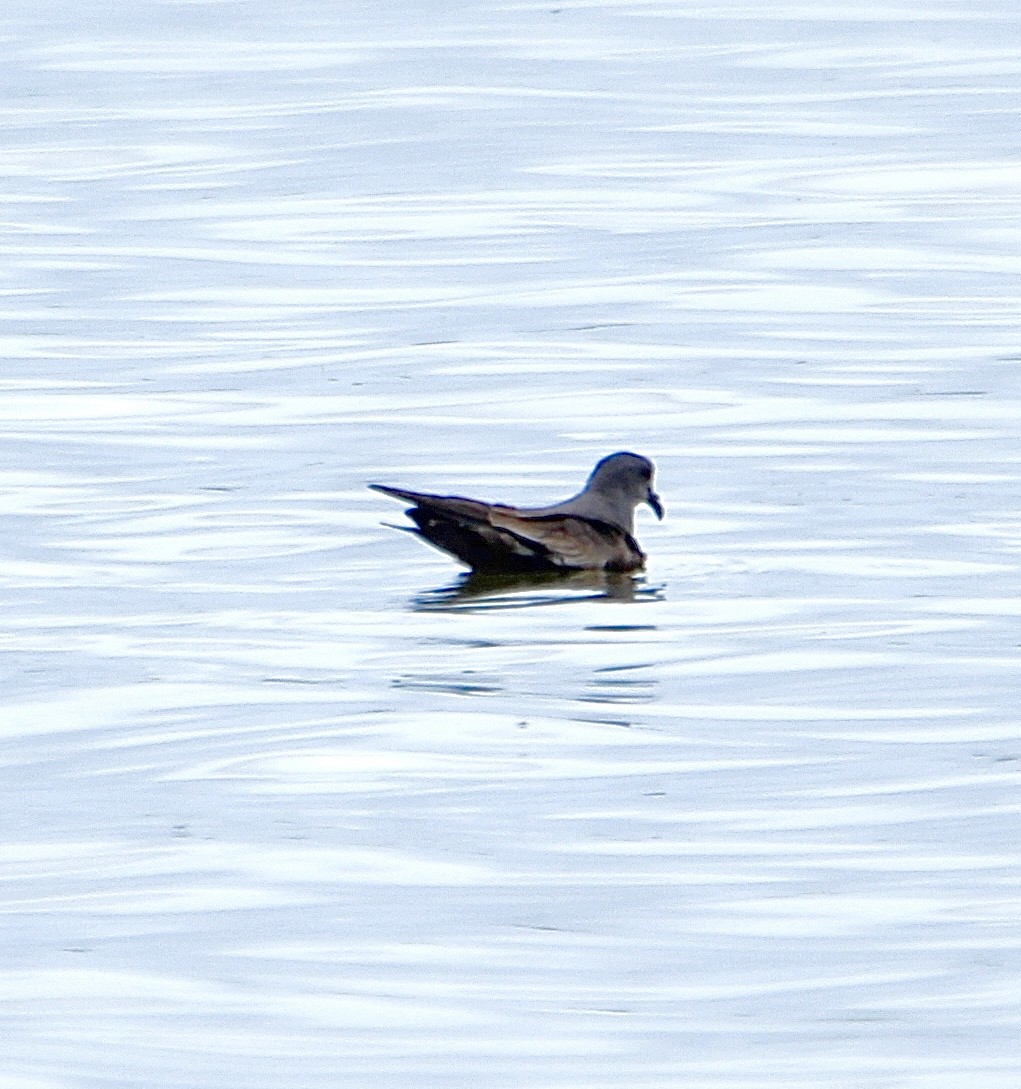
{"x": 629, "y": 475}
{"x": 618, "y": 484}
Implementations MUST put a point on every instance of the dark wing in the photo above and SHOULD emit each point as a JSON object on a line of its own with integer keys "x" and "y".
{"x": 451, "y": 504}
{"x": 494, "y": 538}
{"x": 462, "y": 528}
{"x": 584, "y": 543}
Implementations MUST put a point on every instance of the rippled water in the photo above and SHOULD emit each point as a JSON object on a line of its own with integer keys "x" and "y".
{"x": 285, "y": 803}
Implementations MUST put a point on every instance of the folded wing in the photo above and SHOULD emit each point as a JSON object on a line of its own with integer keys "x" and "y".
{"x": 576, "y": 542}
{"x": 495, "y": 538}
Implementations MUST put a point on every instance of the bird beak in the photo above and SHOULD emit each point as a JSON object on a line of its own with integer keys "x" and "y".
{"x": 653, "y": 500}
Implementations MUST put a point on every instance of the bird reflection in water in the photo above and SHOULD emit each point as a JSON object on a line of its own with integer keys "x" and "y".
{"x": 487, "y": 591}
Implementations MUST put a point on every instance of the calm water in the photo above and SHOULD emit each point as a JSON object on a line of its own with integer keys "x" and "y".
{"x": 283, "y": 808}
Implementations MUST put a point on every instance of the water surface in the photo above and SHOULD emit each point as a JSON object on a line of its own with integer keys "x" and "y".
{"x": 283, "y": 804}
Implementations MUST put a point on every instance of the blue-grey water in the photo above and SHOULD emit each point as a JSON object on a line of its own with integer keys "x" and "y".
{"x": 280, "y": 807}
